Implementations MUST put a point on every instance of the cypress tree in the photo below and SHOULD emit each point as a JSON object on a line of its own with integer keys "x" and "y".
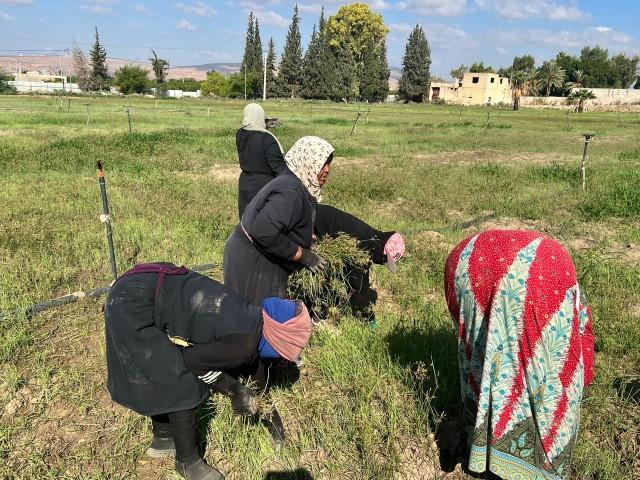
{"x": 312, "y": 69}
{"x": 271, "y": 69}
{"x": 248, "y": 57}
{"x": 322, "y": 23}
{"x": 99, "y": 70}
{"x": 289, "y": 77}
{"x": 258, "y": 60}
{"x": 415, "y": 67}
{"x": 257, "y": 69}
{"x": 343, "y": 80}
{"x": 374, "y": 79}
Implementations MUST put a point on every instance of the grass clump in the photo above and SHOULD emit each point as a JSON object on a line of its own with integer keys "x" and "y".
{"x": 327, "y": 292}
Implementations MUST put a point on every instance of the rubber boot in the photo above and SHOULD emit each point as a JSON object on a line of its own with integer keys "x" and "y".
{"x": 197, "y": 469}
{"x": 161, "y": 447}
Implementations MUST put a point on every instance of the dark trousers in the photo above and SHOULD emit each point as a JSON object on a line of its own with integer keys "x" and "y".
{"x": 182, "y": 427}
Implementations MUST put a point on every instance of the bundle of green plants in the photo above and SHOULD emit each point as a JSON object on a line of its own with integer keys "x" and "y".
{"x": 326, "y": 293}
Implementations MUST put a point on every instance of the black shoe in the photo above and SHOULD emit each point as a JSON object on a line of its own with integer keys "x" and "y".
{"x": 161, "y": 447}
{"x": 197, "y": 470}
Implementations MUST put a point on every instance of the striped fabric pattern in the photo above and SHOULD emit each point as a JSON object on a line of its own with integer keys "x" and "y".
{"x": 525, "y": 351}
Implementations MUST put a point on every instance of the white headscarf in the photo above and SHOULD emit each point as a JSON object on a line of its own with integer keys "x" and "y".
{"x": 306, "y": 159}
{"x": 253, "y": 120}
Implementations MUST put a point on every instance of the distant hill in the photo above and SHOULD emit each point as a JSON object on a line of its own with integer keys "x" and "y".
{"x": 51, "y": 64}
{"x": 224, "y": 68}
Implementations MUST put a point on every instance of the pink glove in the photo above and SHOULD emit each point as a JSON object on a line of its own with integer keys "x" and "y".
{"x": 394, "y": 250}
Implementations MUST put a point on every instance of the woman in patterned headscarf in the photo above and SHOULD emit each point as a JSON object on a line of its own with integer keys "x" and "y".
{"x": 273, "y": 237}
{"x": 525, "y": 352}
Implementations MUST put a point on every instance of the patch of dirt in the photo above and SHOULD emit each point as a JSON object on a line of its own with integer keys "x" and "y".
{"x": 509, "y": 223}
{"x": 484, "y": 156}
{"x": 352, "y": 161}
{"x": 433, "y": 239}
{"x": 418, "y": 461}
{"x": 222, "y": 173}
{"x": 628, "y": 253}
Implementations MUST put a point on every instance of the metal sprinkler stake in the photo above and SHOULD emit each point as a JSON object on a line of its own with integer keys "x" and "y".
{"x": 126, "y": 109}
{"x": 585, "y": 154}
{"x": 106, "y": 218}
{"x": 87, "y": 105}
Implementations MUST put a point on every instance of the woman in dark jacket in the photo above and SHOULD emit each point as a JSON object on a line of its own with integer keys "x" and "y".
{"x": 261, "y": 160}
{"x": 274, "y": 235}
{"x": 171, "y": 334}
{"x": 260, "y": 154}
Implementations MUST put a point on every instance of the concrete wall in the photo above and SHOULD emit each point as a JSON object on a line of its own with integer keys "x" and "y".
{"x": 44, "y": 87}
{"x": 612, "y": 96}
{"x": 606, "y": 99}
{"x": 182, "y": 93}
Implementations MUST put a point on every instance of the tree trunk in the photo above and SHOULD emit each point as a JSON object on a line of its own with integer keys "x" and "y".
{"x": 548, "y": 89}
{"x": 516, "y": 103}
{"x": 580, "y": 106}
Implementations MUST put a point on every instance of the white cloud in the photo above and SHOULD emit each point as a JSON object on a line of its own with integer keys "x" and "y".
{"x": 527, "y": 9}
{"x": 573, "y": 40}
{"x": 6, "y": 16}
{"x": 16, "y": 2}
{"x": 444, "y": 36}
{"x": 197, "y": 8}
{"x": 185, "y": 25}
{"x": 97, "y": 9}
{"x": 445, "y": 8}
{"x": 267, "y": 17}
{"x": 141, "y": 8}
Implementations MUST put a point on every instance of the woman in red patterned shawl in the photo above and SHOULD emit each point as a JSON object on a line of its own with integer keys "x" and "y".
{"x": 525, "y": 352}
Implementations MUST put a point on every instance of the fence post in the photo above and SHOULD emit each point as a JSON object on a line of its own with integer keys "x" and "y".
{"x": 355, "y": 124}
{"x": 87, "y": 105}
{"x": 585, "y": 154}
{"x": 126, "y": 109}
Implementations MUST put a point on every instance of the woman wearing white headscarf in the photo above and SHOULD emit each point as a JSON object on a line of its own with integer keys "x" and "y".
{"x": 273, "y": 238}
{"x": 260, "y": 155}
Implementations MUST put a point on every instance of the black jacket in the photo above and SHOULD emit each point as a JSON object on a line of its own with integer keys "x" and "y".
{"x": 280, "y": 217}
{"x": 260, "y": 161}
{"x": 149, "y": 373}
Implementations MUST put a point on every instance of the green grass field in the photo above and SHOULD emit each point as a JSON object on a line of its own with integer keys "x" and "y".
{"x": 368, "y": 403}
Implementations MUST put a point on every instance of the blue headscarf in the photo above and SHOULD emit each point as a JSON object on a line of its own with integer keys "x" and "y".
{"x": 281, "y": 311}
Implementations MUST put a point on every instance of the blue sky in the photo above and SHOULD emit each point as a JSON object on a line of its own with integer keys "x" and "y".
{"x": 189, "y": 32}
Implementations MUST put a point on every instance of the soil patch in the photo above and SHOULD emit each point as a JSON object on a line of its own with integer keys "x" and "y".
{"x": 509, "y": 223}
{"x": 484, "y": 156}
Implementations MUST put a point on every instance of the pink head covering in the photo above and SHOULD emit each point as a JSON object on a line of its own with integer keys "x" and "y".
{"x": 394, "y": 250}
{"x": 289, "y": 338}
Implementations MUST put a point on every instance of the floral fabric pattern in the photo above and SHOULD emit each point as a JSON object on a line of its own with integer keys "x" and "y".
{"x": 525, "y": 351}
{"x": 306, "y": 158}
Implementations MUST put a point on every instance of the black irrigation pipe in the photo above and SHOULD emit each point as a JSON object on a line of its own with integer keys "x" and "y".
{"x": 36, "y": 308}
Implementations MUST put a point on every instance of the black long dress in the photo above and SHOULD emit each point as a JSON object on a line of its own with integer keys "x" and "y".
{"x": 260, "y": 161}
{"x": 257, "y": 255}
{"x": 149, "y": 373}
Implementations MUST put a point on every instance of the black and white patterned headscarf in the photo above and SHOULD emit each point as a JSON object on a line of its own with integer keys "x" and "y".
{"x": 306, "y": 158}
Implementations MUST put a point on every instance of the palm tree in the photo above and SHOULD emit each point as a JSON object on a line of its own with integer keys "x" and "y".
{"x": 579, "y": 97}
{"x": 523, "y": 83}
{"x": 160, "y": 69}
{"x": 578, "y": 81}
{"x": 551, "y": 75}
